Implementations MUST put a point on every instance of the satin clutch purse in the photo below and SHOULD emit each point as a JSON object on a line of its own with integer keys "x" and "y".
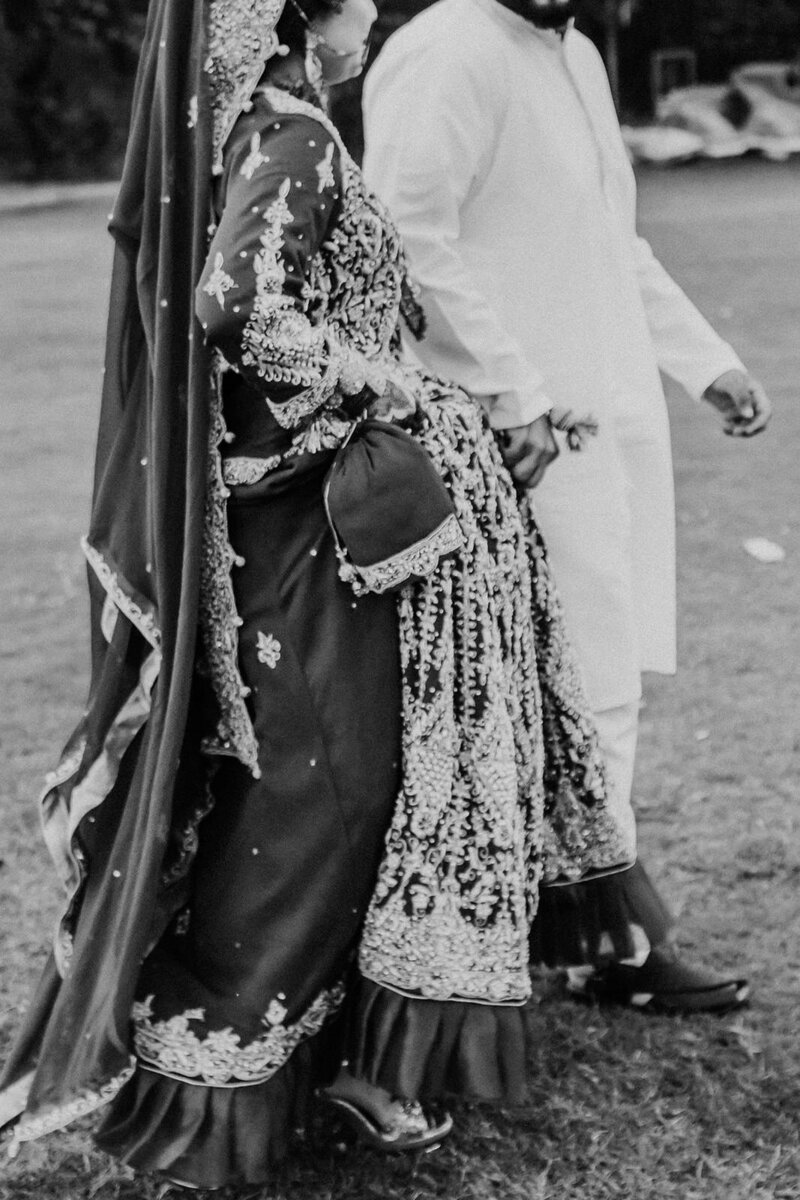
{"x": 391, "y": 515}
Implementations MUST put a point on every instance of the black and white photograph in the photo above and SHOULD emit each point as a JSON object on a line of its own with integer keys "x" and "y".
{"x": 400, "y": 706}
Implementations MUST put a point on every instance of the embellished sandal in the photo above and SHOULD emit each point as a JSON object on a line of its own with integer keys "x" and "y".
{"x": 663, "y": 984}
{"x": 411, "y": 1128}
{"x": 171, "y": 1187}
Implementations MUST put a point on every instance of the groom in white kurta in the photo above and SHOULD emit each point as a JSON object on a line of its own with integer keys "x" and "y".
{"x": 492, "y": 136}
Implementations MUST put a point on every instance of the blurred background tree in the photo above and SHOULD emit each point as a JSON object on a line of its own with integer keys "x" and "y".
{"x": 66, "y": 72}
{"x": 723, "y": 33}
{"x": 66, "y": 67}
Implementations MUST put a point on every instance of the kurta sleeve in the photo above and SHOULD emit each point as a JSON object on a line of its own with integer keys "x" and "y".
{"x": 687, "y": 348}
{"x": 425, "y": 148}
{"x": 256, "y": 299}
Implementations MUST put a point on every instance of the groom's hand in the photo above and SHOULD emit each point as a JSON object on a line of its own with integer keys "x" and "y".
{"x": 741, "y": 402}
{"x": 528, "y": 451}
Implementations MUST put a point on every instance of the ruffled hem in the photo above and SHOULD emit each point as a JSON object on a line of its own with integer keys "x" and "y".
{"x": 610, "y": 918}
{"x": 212, "y": 1137}
{"x": 428, "y": 1049}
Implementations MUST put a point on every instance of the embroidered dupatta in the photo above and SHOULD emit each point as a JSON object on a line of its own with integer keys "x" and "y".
{"x": 120, "y": 812}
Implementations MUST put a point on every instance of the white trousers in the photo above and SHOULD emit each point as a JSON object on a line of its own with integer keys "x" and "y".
{"x": 618, "y": 729}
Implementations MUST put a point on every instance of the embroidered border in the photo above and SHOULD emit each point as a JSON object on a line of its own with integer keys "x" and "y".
{"x": 218, "y": 1059}
{"x": 219, "y": 619}
{"x": 417, "y": 561}
{"x": 280, "y": 342}
{"x": 359, "y": 233}
{"x": 51, "y": 1119}
{"x": 142, "y": 618}
{"x": 449, "y": 916}
{"x": 60, "y": 820}
{"x": 241, "y": 39}
{"x": 239, "y": 470}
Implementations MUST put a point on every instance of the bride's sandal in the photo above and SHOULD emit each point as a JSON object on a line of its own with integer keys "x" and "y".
{"x": 409, "y": 1128}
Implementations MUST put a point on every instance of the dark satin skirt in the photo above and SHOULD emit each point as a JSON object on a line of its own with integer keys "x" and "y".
{"x": 286, "y": 863}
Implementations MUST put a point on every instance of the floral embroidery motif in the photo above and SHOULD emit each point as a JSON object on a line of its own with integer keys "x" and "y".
{"x": 219, "y": 281}
{"x": 255, "y": 158}
{"x": 450, "y": 914}
{"x": 276, "y": 1013}
{"x": 469, "y": 841}
{"x": 279, "y": 340}
{"x": 241, "y": 469}
{"x": 487, "y": 811}
{"x": 270, "y": 274}
{"x": 324, "y": 169}
{"x": 268, "y": 650}
{"x": 241, "y": 38}
{"x": 219, "y": 1059}
{"x": 579, "y": 835}
{"x": 354, "y": 290}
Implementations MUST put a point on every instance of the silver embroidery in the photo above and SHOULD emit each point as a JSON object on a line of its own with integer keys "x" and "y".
{"x": 241, "y": 39}
{"x": 219, "y": 281}
{"x": 417, "y": 561}
{"x": 186, "y": 843}
{"x": 279, "y": 341}
{"x": 450, "y": 914}
{"x": 255, "y": 158}
{"x": 39, "y": 1124}
{"x": 218, "y": 1058}
{"x": 143, "y": 618}
{"x": 268, "y": 650}
{"x": 359, "y": 274}
{"x": 481, "y": 804}
{"x": 477, "y": 821}
{"x": 241, "y": 469}
{"x": 219, "y": 620}
{"x": 579, "y": 836}
{"x": 324, "y": 169}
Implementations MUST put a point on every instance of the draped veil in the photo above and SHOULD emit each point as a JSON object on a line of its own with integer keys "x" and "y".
{"x": 120, "y": 830}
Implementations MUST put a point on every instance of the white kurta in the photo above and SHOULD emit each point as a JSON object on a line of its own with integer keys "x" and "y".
{"x": 498, "y": 151}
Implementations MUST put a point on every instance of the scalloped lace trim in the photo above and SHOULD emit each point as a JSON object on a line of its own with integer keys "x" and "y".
{"x": 219, "y": 619}
{"x": 57, "y": 1117}
{"x": 416, "y": 561}
{"x": 141, "y": 618}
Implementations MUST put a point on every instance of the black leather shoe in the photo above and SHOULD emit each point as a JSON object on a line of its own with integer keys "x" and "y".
{"x": 663, "y": 984}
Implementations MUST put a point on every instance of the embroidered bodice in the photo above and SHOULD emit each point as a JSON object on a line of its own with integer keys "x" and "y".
{"x": 303, "y": 286}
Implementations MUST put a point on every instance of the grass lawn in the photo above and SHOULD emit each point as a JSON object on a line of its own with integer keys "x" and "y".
{"x": 620, "y": 1105}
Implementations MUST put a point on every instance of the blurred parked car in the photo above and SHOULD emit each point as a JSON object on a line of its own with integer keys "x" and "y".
{"x": 771, "y": 94}
{"x": 758, "y": 110}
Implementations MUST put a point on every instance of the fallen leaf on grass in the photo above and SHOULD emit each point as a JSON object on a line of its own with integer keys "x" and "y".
{"x": 764, "y": 550}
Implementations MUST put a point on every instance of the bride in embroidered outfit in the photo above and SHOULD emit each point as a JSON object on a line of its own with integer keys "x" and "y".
{"x": 314, "y": 834}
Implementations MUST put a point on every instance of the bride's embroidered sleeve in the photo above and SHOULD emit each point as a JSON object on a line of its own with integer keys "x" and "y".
{"x": 256, "y": 298}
